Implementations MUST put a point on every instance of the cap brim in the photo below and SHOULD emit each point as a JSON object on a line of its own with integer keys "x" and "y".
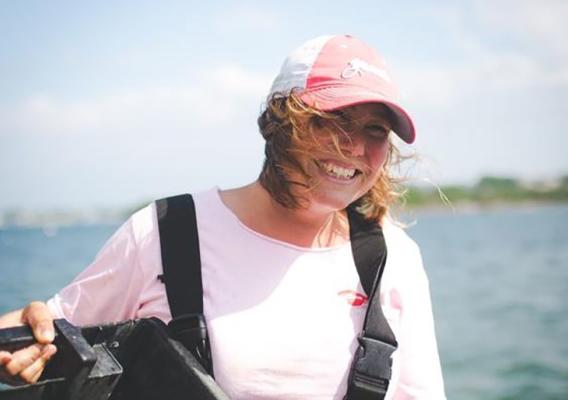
{"x": 335, "y": 98}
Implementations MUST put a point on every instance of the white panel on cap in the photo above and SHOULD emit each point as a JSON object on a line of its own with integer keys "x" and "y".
{"x": 297, "y": 66}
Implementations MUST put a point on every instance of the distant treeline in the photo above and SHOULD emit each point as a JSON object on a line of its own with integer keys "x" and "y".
{"x": 488, "y": 191}
{"x": 491, "y": 190}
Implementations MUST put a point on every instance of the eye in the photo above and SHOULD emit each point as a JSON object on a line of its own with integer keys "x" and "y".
{"x": 318, "y": 122}
{"x": 377, "y": 131}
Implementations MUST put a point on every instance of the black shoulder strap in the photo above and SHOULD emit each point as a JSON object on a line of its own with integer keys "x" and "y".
{"x": 181, "y": 263}
{"x": 371, "y": 367}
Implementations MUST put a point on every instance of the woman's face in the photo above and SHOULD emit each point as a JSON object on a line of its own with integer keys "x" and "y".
{"x": 362, "y": 133}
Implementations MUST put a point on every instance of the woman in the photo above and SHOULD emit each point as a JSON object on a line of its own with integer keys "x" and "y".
{"x": 282, "y": 297}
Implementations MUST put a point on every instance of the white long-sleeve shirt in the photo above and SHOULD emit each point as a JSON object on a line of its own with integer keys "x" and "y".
{"x": 282, "y": 319}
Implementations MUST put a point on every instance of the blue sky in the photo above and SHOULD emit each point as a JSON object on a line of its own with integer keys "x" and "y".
{"x": 109, "y": 103}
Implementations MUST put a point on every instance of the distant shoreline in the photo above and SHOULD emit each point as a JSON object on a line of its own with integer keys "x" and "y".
{"x": 467, "y": 208}
{"x": 49, "y": 221}
{"x": 490, "y": 193}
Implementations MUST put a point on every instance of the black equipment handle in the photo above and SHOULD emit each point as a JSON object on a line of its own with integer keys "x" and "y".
{"x": 17, "y": 338}
{"x": 72, "y": 369}
{"x": 69, "y": 341}
{"x": 150, "y": 364}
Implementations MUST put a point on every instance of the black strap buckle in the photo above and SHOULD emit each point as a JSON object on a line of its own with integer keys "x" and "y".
{"x": 371, "y": 371}
{"x": 191, "y": 331}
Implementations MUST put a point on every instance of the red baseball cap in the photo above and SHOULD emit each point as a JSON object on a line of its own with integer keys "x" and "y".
{"x": 333, "y": 72}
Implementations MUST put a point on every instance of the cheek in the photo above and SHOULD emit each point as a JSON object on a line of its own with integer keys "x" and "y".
{"x": 377, "y": 154}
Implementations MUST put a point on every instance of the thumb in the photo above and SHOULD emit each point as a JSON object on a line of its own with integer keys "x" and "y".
{"x": 38, "y": 316}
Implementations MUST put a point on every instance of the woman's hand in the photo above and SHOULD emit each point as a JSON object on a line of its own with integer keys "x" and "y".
{"x": 26, "y": 365}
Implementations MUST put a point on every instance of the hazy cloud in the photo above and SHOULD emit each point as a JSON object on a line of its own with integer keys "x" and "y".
{"x": 236, "y": 80}
{"x": 480, "y": 66}
{"x": 245, "y": 17}
{"x": 213, "y": 98}
{"x": 541, "y": 22}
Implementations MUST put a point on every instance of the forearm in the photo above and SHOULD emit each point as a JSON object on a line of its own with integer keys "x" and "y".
{"x": 12, "y": 318}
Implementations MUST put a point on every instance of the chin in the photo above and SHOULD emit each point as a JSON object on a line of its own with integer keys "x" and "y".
{"x": 331, "y": 201}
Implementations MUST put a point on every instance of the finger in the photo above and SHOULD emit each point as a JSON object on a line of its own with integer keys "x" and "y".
{"x": 32, "y": 373}
{"x": 5, "y": 357}
{"x": 38, "y": 316}
{"x": 22, "y": 359}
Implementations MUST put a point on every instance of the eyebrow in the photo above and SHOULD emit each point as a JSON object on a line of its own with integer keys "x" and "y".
{"x": 379, "y": 119}
{"x": 385, "y": 114}
{"x": 380, "y": 116}
{"x": 342, "y": 114}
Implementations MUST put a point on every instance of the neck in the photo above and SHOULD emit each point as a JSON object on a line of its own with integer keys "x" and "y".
{"x": 305, "y": 227}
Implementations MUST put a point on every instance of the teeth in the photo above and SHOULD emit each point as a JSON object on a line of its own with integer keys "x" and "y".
{"x": 338, "y": 171}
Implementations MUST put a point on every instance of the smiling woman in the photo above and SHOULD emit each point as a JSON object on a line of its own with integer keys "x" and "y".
{"x": 310, "y": 151}
{"x": 300, "y": 299}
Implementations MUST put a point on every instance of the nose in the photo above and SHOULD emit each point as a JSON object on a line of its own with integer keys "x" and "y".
{"x": 357, "y": 144}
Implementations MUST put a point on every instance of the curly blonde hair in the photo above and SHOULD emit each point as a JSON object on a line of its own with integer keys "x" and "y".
{"x": 289, "y": 128}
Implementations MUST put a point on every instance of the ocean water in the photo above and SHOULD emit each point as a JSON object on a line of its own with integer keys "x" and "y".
{"x": 498, "y": 278}
{"x": 499, "y": 283}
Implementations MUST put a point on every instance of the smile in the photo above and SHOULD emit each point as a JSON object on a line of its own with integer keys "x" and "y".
{"x": 337, "y": 171}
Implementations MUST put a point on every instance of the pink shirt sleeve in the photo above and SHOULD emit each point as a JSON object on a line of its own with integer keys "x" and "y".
{"x": 108, "y": 289}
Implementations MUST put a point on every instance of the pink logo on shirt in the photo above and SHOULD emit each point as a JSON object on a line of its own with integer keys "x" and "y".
{"x": 352, "y": 297}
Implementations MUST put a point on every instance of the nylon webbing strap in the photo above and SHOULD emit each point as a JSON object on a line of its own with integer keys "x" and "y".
{"x": 370, "y": 254}
{"x": 181, "y": 260}
{"x": 371, "y": 368}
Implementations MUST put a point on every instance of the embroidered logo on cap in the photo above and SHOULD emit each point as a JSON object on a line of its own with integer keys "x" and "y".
{"x": 358, "y": 66}
{"x": 352, "y": 297}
